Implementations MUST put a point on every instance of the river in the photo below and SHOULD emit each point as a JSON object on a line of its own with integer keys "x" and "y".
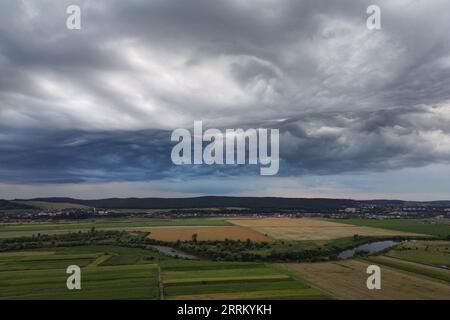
{"x": 371, "y": 248}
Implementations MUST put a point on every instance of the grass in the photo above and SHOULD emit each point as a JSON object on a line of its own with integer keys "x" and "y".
{"x": 222, "y": 280}
{"x": 109, "y": 272}
{"x": 43, "y": 276}
{"x": 9, "y": 230}
{"x": 435, "y": 253}
{"x": 432, "y": 272}
{"x": 422, "y": 226}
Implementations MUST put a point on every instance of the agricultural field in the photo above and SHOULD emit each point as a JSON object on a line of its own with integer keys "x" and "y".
{"x": 53, "y": 205}
{"x": 427, "y": 258}
{"x": 417, "y": 269}
{"x": 204, "y": 233}
{"x": 8, "y": 230}
{"x": 42, "y": 274}
{"x": 347, "y": 280}
{"x": 434, "y": 253}
{"x": 218, "y": 280}
{"x": 423, "y": 226}
{"x": 110, "y": 272}
{"x": 311, "y": 229}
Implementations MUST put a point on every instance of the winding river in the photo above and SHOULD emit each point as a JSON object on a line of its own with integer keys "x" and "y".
{"x": 371, "y": 248}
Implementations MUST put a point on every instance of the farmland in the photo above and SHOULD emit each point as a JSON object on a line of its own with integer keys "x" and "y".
{"x": 347, "y": 280}
{"x": 423, "y": 226}
{"x": 124, "y": 265}
{"x": 312, "y": 229}
{"x": 412, "y": 270}
{"x": 52, "y": 205}
{"x": 59, "y": 227}
{"x": 434, "y": 253}
{"x": 209, "y": 280}
{"x": 203, "y": 233}
{"x": 110, "y": 272}
{"x": 42, "y": 274}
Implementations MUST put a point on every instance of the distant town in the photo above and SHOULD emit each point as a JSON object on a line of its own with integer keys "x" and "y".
{"x": 30, "y": 210}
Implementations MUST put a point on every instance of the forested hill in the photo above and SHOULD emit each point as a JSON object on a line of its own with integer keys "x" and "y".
{"x": 10, "y": 205}
{"x": 229, "y": 202}
{"x": 207, "y": 202}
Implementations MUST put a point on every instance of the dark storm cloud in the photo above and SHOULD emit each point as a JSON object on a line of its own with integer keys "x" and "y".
{"x": 74, "y": 156}
{"x": 99, "y": 103}
{"x": 315, "y": 144}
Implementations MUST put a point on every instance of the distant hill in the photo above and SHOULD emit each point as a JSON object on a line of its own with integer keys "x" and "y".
{"x": 206, "y": 202}
{"x": 10, "y": 205}
{"x": 225, "y": 202}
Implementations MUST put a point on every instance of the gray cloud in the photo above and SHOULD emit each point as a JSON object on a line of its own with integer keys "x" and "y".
{"x": 97, "y": 104}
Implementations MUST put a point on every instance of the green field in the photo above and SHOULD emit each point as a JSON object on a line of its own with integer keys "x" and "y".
{"x": 422, "y": 226}
{"x": 219, "y": 280}
{"x": 42, "y": 274}
{"x": 110, "y": 272}
{"x": 9, "y": 230}
{"x": 427, "y": 258}
{"x": 414, "y": 269}
{"x": 434, "y": 253}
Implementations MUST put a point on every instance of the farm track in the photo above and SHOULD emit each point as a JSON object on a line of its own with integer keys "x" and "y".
{"x": 160, "y": 283}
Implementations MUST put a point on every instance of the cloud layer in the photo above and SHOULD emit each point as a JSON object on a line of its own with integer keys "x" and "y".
{"x": 98, "y": 104}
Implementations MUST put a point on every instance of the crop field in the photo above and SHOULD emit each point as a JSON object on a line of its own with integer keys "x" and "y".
{"x": 311, "y": 229}
{"x": 53, "y": 205}
{"x": 42, "y": 274}
{"x": 215, "y": 280}
{"x": 427, "y": 258}
{"x": 423, "y": 226}
{"x": 417, "y": 269}
{"x": 347, "y": 280}
{"x": 110, "y": 272}
{"x": 434, "y": 253}
{"x": 173, "y": 234}
{"x": 9, "y": 230}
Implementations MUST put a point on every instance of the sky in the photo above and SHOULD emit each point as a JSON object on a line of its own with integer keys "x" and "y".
{"x": 89, "y": 113}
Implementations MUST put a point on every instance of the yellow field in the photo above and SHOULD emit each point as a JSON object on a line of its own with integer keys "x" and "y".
{"x": 53, "y": 205}
{"x": 310, "y": 229}
{"x": 205, "y": 233}
{"x": 347, "y": 280}
{"x": 285, "y": 222}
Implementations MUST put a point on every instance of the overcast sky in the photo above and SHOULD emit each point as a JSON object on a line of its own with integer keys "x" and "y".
{"x": 88, "y": 113}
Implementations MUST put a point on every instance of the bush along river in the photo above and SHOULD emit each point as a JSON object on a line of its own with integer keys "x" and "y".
{"x": 174, "y": 252}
